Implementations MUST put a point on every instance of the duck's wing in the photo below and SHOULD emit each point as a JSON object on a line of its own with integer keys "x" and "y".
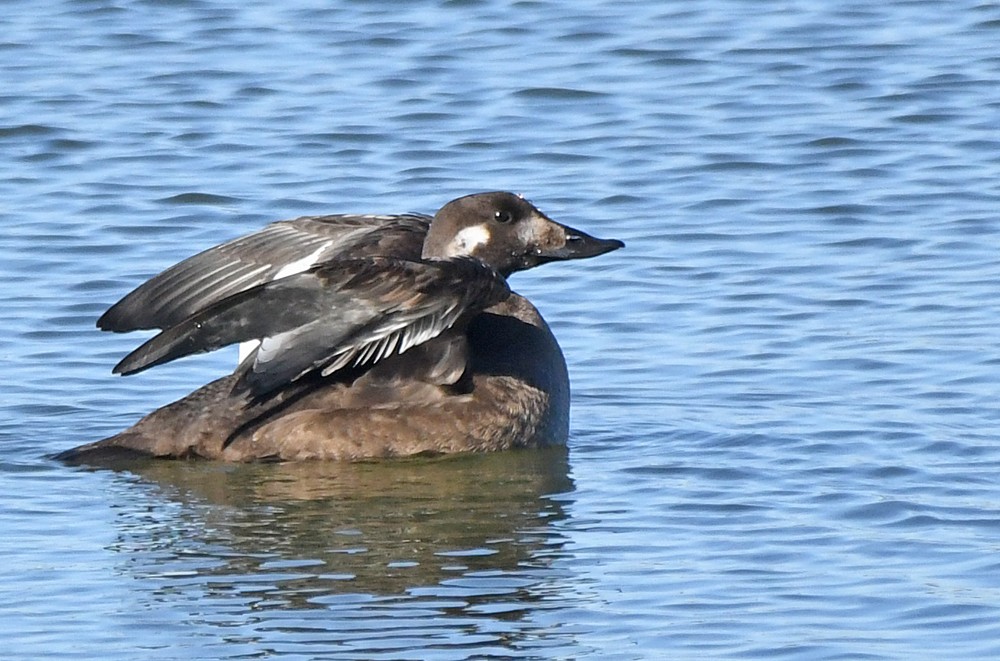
{"x": 344, "y": 313}
{"x": 278, "y": 250}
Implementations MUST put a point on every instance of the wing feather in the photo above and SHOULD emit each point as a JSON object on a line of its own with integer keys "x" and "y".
{"x": 255, "y": 259}
{"x": 345, "y": 313}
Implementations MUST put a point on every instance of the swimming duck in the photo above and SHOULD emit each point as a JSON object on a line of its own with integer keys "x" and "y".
{"x": 370, "y": 336}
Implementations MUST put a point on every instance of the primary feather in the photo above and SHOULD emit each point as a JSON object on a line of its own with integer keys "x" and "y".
{"x": 279, "y": 249}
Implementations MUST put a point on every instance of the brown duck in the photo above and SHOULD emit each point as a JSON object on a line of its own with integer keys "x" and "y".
{"x": 369, "y": 337}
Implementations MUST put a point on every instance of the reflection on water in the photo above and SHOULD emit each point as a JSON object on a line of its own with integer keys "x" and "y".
{"x": 427, "y": 540}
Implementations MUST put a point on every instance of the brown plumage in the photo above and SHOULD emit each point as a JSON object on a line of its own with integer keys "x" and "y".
{"x": 380, "y": 336}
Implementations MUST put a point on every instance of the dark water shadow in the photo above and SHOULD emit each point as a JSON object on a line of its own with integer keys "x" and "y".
{"x": 457, "y": 538}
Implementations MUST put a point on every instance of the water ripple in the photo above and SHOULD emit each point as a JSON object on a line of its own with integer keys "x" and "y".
{"x": 784, "y": 427}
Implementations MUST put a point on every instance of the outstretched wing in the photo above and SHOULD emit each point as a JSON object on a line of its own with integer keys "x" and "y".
{"x": 343, "y": 313}
{"x": 278, "y": 250}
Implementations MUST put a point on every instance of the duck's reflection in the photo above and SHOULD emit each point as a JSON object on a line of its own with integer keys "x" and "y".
{"x": 297, "y": 535}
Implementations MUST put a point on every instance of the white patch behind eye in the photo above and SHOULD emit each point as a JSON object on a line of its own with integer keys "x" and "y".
{"x": 467, "y": 240}
{"x": 300, "y": 265}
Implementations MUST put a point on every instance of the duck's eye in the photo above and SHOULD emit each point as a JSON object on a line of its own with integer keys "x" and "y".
{"x": 503, "y": 217}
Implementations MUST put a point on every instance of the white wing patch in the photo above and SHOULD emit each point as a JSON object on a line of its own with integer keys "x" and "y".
{"x": 272, "y": 348}
{"x": 247, "y": 348}
{"x": 291, "y": 268}
{"x": 467, "y": 240}
{"x": 303, "y": 264}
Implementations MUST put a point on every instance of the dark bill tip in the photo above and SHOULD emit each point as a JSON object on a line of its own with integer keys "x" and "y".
{"x": 580, "y": 245}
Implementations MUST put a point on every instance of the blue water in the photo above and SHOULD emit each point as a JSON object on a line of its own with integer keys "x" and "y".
{"x": 785, "y": 425}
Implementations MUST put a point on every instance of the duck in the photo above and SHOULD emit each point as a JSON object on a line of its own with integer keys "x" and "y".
{"x": 363, "y": 337}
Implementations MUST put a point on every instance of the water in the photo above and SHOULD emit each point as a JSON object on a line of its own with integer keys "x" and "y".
{"x": 785, "y": 423}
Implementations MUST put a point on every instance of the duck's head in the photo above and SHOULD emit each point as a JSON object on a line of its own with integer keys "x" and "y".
{"x": 506, "y": 232}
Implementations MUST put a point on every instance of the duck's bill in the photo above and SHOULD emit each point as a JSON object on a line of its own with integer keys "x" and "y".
{"x": 577, "y": 245}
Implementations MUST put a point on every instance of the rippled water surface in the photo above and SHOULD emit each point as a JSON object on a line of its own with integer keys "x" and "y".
{"x": 785, "y": 425}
